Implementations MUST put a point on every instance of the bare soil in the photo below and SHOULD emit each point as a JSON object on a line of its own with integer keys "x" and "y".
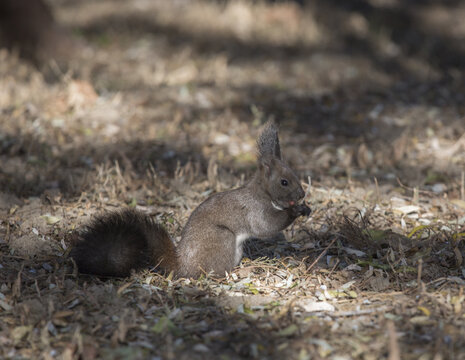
{"x": 158, "y": 105}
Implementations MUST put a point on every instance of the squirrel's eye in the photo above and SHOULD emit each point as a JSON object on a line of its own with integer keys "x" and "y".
{"x": 284, "y": 182}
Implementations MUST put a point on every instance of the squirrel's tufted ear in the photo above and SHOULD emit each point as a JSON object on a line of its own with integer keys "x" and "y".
{"x": 268, "y": 141}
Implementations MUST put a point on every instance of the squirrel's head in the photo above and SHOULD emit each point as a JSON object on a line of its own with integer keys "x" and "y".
{"x": 280, "y": 181}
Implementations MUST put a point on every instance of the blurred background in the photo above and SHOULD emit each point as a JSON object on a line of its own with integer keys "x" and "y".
{"x": 365, "y": 88}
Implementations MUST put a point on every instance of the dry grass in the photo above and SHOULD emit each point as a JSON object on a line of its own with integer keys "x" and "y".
{"x": 162, "y": 107}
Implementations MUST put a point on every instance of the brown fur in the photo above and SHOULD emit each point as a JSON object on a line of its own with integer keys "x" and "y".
{"x": 211, "y": 241}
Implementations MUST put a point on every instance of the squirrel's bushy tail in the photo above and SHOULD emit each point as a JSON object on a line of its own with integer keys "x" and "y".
{"x": 116, "y": 243}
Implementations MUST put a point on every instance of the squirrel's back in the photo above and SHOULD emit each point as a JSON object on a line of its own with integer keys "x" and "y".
{"x": 118, "y": 242}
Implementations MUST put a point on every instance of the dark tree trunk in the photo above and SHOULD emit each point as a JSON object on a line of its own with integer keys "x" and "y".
{"x": 26, "y": 25}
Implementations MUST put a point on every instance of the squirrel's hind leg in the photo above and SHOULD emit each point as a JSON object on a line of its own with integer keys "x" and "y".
{"x": 210, "y": 250}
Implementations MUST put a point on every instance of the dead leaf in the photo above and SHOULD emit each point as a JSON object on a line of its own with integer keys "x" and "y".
{"x": 288, "y": 331}
{"x": 309, "y": 305}
{"x": 407, "y": 209}
{"x": 51, "y": 220}
{"x": 459, "y": 203}
{"x": 20, "y": 332}
{"x": 422, "y": 320}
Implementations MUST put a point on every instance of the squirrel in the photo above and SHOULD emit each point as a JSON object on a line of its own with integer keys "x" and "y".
{"x": 117, "y": 243}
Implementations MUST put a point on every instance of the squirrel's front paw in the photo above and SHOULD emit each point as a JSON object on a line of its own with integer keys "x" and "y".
{"x": 305, "y": 210}
{"x": 301, "y": 210}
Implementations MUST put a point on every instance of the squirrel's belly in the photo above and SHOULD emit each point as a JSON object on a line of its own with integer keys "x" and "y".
{"x": 240, "y": 238}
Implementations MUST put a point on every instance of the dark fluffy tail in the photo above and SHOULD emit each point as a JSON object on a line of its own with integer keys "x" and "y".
{"x": 116, "y": 243}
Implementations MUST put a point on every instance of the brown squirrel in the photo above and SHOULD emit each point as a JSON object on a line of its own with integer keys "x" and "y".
{"x": 118, "y": 242}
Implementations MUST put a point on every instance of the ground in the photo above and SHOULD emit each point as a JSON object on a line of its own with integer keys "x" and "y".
{"x": 159, "y": 105}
